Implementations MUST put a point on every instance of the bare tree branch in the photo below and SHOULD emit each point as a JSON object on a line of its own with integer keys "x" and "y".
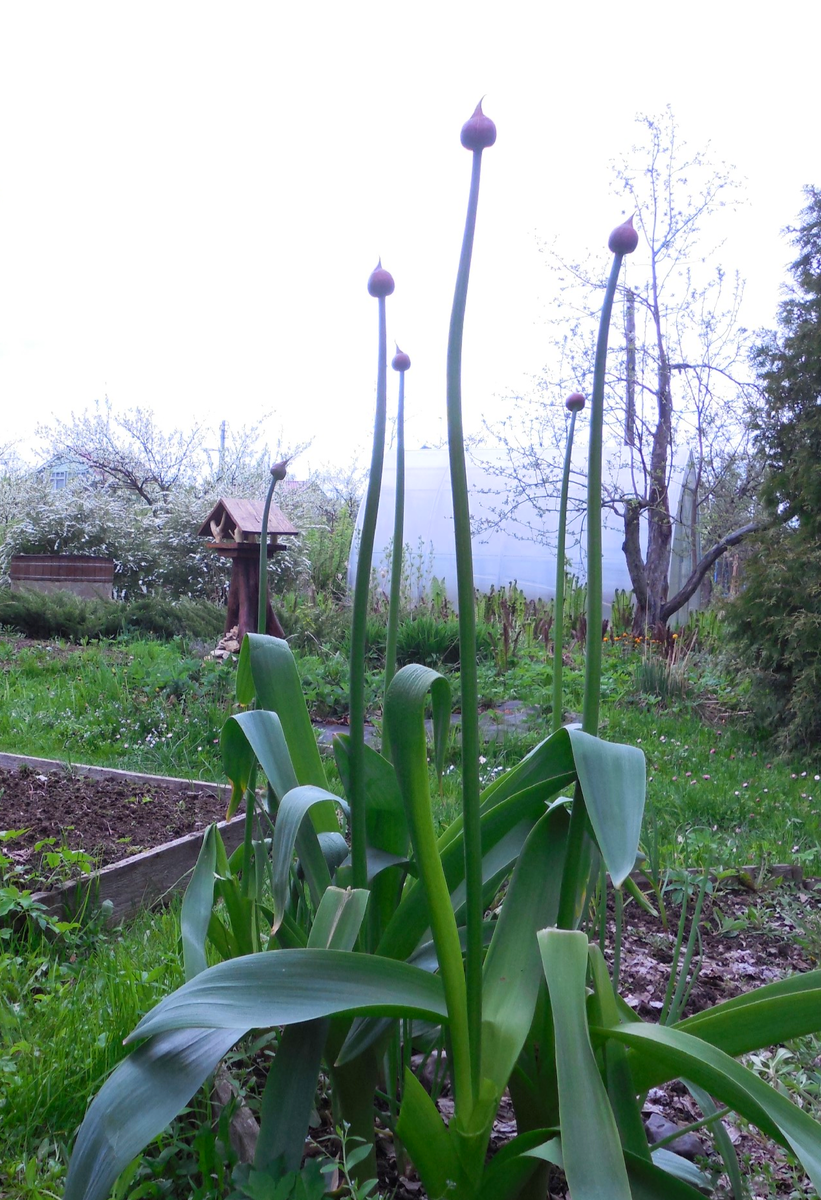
{"x": 712, "y": 556}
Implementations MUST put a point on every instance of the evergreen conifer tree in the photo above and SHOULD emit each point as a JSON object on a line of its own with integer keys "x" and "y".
{"x": 776, "y": 620}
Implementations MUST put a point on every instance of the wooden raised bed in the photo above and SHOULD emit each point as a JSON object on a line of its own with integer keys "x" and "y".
{"x": 143, "y": 878}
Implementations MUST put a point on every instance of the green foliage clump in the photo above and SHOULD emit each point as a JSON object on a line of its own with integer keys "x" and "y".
{"x": 47, "y": 615}
{"x": 776, "y": 624}
{"x": 776, "y": 620}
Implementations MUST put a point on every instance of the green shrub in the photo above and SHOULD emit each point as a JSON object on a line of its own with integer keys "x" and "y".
{"x": 312, "y": 627}
{"x": 174, "y": 618}
{"x": 658, "y": 679}
{"x": 46, "y": 615}
{"x": 775, "y": 623}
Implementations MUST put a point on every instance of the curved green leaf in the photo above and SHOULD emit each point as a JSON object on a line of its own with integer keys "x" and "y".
{"x": 551, "y": 757}
{"x": 280, "y": 986}
{"x": 408, "y": 692}
{"x": 678, "y": 1053}
{"x": 512, "y": 969}
{"x": 777, "y": 1012}
{"x": 338, "y": 919}
{"x": 289, "y": 1094}
{"x": 546, "y": 764}
{"x": 293, "y": 808}
{"x": 278, "y": 688}
{"x": 137, "y": 1101}
{"x": 512, "y": 1165}
{"x": 334, "y": 850}
{"x": 585, "y": 1115}
{"x": 613, "y": 782}
{"x": 245, "y": 680}
{"x": 386, "y": 829}
{"x": 496, "y": 865}
{"x": 648, "y": 1181}
{"x": 197, "y": 903}
{"x": 263, "y": 732}
{"x": 421, "y": 1130}
{"x": 237, "y": 762}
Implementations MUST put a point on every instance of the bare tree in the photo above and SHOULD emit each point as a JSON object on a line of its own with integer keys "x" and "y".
{"x": 678, "y": 379}
{"x": 128, "y": 449}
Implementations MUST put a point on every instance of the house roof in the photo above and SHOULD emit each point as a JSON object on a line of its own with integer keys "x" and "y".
{"x": 246, "y": 516}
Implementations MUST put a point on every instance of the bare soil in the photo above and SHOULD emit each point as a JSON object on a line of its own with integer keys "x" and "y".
{"x": 109, "y": 819}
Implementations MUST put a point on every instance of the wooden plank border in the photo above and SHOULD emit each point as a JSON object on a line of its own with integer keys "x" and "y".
{"x": 144, "y": 878}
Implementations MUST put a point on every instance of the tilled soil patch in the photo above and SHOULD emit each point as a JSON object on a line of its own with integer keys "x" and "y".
{"x": 61, "y": 812}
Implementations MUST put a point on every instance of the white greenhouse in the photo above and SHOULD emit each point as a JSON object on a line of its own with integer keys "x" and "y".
{"x": 505, "y": 551}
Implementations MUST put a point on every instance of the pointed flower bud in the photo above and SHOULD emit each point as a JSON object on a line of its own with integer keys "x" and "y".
{"x": 623, "y": 239}
{"x": 479, "y": 132}
{"x": 280, "y": 470}
{"x": 380, "y": 282}
{"x": 400, "y": 361}
{"x": 575, "y": 402}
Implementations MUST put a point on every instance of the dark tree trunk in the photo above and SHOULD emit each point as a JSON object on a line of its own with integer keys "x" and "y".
{"x": 649, "y": 606}
{"x": 632, "y": 549}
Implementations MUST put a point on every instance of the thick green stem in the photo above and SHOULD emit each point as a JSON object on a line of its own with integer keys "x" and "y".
{"x": 558, "y": 603}
{"x": 262, "y": 608}
{"x": 592, "y": 671}
{"x": 467, "y": 639}
{"x": 398, "y": 536}
{"x": 359, "y": 621}
{"x": 414, "y": 782}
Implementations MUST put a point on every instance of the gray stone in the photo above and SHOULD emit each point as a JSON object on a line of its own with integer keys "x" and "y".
{"x": 688, "y": 1145}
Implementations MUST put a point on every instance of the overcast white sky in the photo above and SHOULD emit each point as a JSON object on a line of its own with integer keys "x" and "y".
{"x": 194, "y": 194}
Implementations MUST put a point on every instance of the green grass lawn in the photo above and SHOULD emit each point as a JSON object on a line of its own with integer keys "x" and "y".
{"x": 716, "y": 795}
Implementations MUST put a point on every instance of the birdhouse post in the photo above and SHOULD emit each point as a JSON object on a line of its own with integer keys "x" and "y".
{"x": 235, "y": 527}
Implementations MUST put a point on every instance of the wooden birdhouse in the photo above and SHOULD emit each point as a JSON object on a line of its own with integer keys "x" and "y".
{"x": 235, "y": 528}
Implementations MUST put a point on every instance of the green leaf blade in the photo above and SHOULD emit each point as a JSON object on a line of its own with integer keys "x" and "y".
{"x": 586, "y": 1118}
{"x": 281, "y": 986}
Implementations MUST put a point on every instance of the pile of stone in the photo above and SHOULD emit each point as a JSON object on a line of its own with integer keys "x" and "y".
{"x": 227, "y": 645}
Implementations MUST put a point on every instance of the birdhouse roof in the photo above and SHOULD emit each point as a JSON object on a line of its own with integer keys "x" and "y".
{"x": 246, "y": 516}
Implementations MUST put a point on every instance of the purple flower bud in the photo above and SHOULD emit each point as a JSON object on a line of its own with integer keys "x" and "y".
{"x": 400, "y": 361}
{"x": 479, "y": 132}
{"x": 623, "y": 239}
{"x": 380, "y": 282}
{"x": 575, "y": 402}
{"x": 280, "y": 470}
